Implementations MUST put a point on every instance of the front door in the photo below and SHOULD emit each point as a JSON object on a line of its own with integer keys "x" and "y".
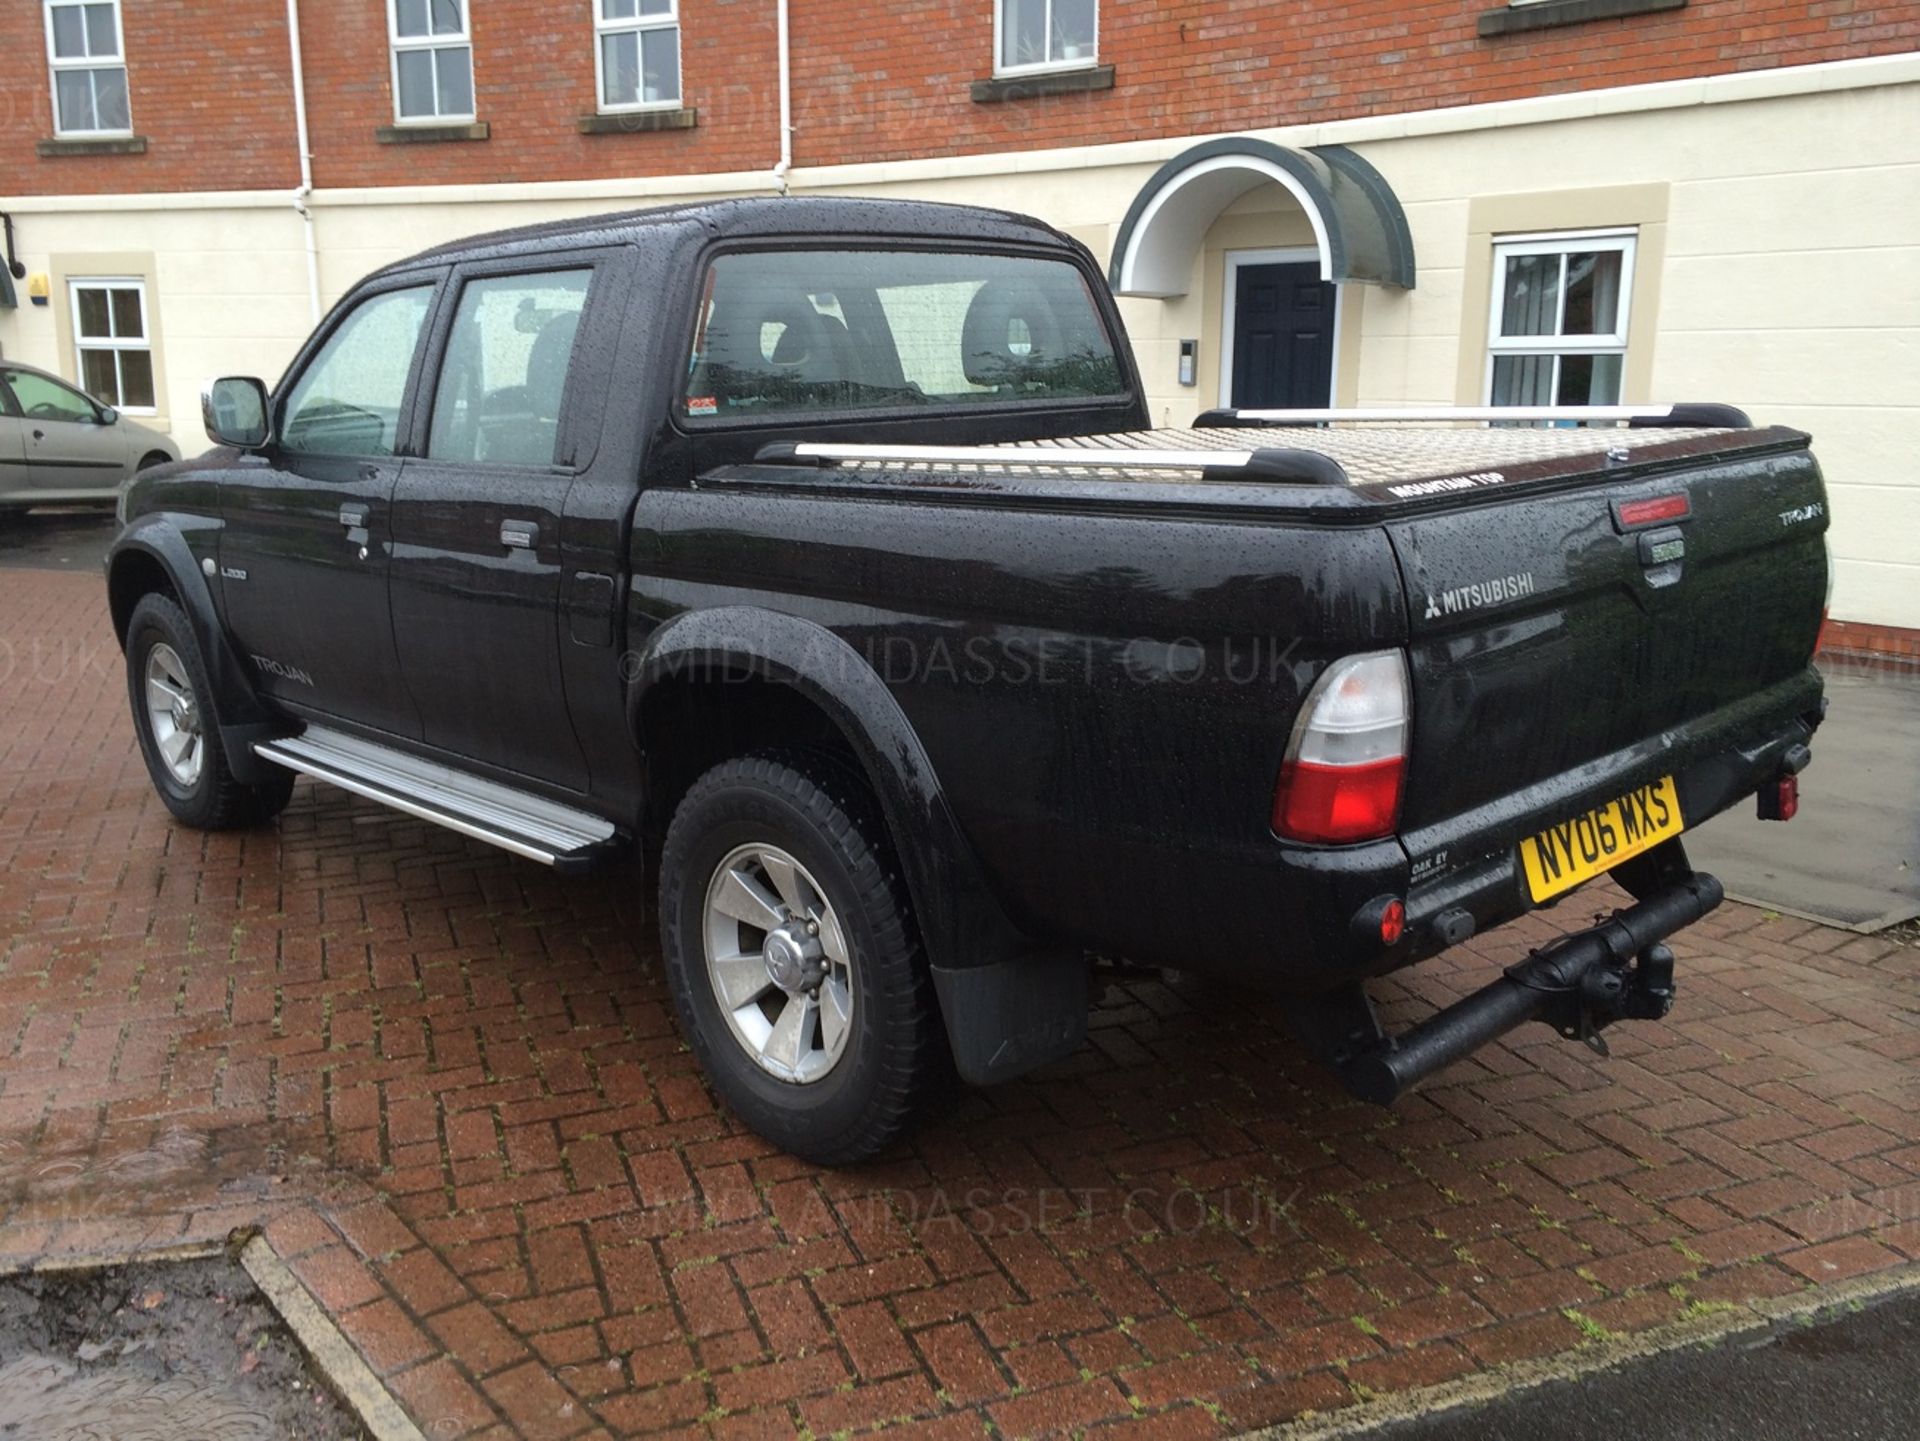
{"x": 68, "y": 446}
{"x": 477, "y": 562}
{"x": 1282, "y": 337}
{"x": 307, "y": 540}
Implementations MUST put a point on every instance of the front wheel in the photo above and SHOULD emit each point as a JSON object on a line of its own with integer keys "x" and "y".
{"x": 173, "y": 716}
{"x": 792, "y": 958}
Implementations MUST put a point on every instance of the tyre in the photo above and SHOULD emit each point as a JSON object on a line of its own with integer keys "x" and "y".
{"x": 174, "y": 717}
{"x": 793, "y": 960}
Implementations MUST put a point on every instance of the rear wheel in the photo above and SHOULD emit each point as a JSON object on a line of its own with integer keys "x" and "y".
{"x": 153, "y": 458}
{"x": 793, "y": 960}
{"x": 174, "y": 718}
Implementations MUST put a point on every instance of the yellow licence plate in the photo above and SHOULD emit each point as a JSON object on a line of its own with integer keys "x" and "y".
{"x": 1563, "y": 856}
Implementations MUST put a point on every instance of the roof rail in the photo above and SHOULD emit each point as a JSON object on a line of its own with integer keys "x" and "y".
{"x": 1260, "y": 463}
{"x": 1681, "y": 416}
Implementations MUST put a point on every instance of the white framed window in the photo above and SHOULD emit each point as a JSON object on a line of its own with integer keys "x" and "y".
{"x": 636, "y": 53}
{"x": 111, "y": 342}
{"x": 432, "y": 60}
{"x": 1558, "y": 330}
{"x": 1031, "y": 35}
{"x": 87, "y": 55}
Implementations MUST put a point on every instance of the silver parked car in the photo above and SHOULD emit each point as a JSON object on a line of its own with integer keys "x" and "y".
{"x": 57, "y": 445}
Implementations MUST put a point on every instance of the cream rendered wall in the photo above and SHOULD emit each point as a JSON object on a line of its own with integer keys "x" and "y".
{"x": 228, "y": 285}
{"x": 1790, "y": 283}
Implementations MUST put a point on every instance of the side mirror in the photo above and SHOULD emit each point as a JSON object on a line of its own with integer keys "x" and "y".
{"x": 236, "y": 412}
{"x": 108, "y": 415}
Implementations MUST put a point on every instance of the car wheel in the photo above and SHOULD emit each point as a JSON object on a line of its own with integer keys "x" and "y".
{"x": 793, "y": 960}
{"x": 175, "y": 720}
{"x": 153, "y": 458}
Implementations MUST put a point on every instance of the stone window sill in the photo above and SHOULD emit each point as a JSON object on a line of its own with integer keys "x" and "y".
{"x": 1046, "y": 82}
{"x": 1516, "y": 19}
{"x": 637, "y": 122}
{"x": 431, "y": 134}
{"x": 93, "y": 145}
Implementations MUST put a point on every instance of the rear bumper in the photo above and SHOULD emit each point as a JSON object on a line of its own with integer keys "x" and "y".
{"x": 1461, "y": 876}
{"x": 1469, "y": 865}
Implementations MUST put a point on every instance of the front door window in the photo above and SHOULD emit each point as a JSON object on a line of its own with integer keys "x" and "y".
{"x": 347, "y": 401}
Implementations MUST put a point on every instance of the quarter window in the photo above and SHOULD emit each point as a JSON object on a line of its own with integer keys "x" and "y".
{"x": 505, "y": 374}
{"x": 432, "y": 60}
{"x": 110, "y": 338}
{"x": 637, "y": 53}
{"x": 348, "y": 399}
{"x": 1045, "y": 34}
{"x": 87, "y": 54}
{"x": 1558, "y": 333}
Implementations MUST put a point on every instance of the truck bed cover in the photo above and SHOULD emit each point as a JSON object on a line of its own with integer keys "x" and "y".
{"x": 1341, "y": 473}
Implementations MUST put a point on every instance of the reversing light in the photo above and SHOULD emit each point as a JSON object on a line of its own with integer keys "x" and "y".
{"x": 1345, "y": 766}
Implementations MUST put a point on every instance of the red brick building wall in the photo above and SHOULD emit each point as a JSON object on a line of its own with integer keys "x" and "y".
{"x": 212, "y": 94}
{"x": 1226, "y": 65}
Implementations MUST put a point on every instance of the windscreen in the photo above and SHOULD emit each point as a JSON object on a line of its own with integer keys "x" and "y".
{"x": 784, "y": 331}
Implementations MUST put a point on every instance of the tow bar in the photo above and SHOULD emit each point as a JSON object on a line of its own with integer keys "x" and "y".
{"x": 1619, "y": 969}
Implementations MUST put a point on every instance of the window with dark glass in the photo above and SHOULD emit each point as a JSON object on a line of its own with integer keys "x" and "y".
{"x": 110, "y": 340}
{"x": 816, "y": 330}
{"x": 1558, "y": 333}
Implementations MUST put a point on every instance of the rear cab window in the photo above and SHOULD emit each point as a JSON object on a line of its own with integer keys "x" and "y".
{"x": 802, "y": 330}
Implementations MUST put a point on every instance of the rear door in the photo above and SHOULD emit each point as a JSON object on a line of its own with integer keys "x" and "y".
{"x": 68, "y": 446}
{"x": 1550, "y": 630}
{"x": 307, "y": 541}
{"x": 477, "y": 568}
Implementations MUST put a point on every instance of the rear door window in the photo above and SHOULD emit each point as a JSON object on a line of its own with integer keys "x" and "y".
{"x": 504, "y": 376}
{"x": 823, "y": 330}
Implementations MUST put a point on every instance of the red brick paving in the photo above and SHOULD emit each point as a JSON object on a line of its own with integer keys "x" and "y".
{"x": 449, "y": 1087}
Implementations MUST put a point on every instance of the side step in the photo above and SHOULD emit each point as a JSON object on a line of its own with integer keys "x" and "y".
{"x": 541, "y": 830}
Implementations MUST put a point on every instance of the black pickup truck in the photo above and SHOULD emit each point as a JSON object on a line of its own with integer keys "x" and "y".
{"x": 817, "y": 557}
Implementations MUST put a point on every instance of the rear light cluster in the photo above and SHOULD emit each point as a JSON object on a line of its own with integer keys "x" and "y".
{"x": 1346, "y": 764}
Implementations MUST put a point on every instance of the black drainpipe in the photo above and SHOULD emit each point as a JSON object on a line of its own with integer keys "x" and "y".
{"x": 14, "y": 267}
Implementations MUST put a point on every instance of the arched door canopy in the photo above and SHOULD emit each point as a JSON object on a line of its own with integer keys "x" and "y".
{"x": 1358, "y": 225}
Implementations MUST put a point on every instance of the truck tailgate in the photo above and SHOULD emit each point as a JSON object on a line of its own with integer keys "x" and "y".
{"x": 1552, "y": 622}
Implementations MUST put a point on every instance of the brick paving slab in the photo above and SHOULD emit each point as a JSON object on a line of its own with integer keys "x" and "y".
{"x": 448, "y": 1087}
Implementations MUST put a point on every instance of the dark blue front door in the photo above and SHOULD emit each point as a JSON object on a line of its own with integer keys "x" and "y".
{"x": 1282, "y": 337}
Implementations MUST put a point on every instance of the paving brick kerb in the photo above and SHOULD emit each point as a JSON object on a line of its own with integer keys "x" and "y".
{"x": 448, "y": 1086}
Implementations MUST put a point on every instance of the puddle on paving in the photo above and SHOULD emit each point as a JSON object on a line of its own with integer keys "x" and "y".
{"x": 179, "y": 1168}
{"x": 49, "y": 1397}
{"x": 188, "y": 1351}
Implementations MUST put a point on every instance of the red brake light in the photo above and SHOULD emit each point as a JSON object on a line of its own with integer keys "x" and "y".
{"x": 1648, "y": 512}
{"x": 1393, "y": 923}
{"x": 1346, "y": 761}
{"x": 1337, "y": 805}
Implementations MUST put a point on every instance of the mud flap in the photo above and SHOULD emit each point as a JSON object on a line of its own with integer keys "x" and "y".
{"x": 1005, "y": 1019}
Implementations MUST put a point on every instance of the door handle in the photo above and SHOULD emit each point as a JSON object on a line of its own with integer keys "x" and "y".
{"x": 354, "y": 516}
{"x": 519, "y": 534}
{"x": 39, "y": 435}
